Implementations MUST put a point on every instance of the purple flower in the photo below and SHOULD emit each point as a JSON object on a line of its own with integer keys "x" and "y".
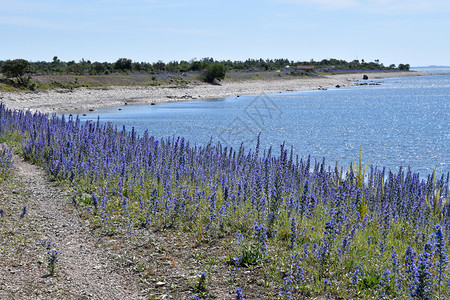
{"x": 261, "y": 235}
{"x": 440, "y": 252}
{"x": 385, "y": 280}
{"x": 422, "y": 284}
{"x": 94, "y": 201}
{"x": 238, "y": 293}
{"x": 293, "y": 233}
{"x": 356, "y": 275}
{"x": 239, "y": 238}
{"x": 24, "y": 211}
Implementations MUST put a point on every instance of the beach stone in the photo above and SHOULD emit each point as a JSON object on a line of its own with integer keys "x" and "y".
{"x": 365, "y": 77}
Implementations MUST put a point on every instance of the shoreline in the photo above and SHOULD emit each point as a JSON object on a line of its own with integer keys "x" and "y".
{"x": 65, "y": 101}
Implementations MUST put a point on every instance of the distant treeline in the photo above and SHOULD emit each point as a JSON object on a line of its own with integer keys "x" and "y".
{"x": 125, "y": 65}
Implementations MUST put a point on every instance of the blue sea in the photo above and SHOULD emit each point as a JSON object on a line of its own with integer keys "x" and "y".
{"x": 397, "y": 122}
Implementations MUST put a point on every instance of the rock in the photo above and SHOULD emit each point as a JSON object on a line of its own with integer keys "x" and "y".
{"x": 365, "y": 77}
{"x": 160, "y": 284}
{"x": 338, "y": 86}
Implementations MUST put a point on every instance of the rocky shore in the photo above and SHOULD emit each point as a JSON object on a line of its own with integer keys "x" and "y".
{"x": 80, "y": 100}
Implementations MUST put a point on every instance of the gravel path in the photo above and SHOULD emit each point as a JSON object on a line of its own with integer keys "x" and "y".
{"x": 84, "y": 270}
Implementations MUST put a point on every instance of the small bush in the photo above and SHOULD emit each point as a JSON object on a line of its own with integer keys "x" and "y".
{"x": 215, "y": 71}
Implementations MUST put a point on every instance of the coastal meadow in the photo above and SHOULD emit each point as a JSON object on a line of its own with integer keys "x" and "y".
{"x": 299, "y": 228}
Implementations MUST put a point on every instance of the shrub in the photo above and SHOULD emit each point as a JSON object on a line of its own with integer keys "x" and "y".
{"x": 17, "y": 68}
{"x": 214, "y": 71}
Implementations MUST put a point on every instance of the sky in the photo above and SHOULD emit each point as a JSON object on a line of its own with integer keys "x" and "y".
{"x": 393, "y": 31}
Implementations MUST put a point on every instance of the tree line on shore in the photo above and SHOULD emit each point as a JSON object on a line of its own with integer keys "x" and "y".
{"x": 128, "y": 66}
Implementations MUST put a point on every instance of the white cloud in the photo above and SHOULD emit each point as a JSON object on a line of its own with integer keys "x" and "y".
{"x": 410, "y": 6}
{"x": 145, "y": 3}
{"x": 27, "y": 22}
{"x": 379, "y": 6}
{"x": 326, "y": 4}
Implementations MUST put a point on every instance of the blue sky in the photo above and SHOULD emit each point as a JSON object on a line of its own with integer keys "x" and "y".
{"x": 393, "y": 31}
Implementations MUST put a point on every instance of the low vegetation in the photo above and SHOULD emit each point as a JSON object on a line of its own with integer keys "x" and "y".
{"x": 253, "y": 223}
{"x": 127, "y": 66}
{"x": 23, "y": 74}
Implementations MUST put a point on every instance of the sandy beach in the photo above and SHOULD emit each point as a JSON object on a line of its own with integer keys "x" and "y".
{"x": 84, "y": 99}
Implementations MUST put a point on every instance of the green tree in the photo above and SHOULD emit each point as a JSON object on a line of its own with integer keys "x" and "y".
{"x": 173, "y": 66}
{"x": 214, "y": 71}
{"x": 17, "y": 69}
{"x": 123, "y": 65}
{"x": 197, "y": 65}
{"x": 159, "y": 66}
{"x": 184, "y": 66}
{"x": 99, "y": 68}
{"x": 56, "y": 66}
{"x": 403, "y": 67}
{"x": 81, "y": 68}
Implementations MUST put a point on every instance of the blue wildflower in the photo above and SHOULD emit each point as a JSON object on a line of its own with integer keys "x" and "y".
{"x": 293, "y": 233}
{"x": 440, "y": 252}
{"x": 356, "y": 275}
{"x": 24, "y": 211}
{"x": 239, "y": 295}
{"x": 422, "y": 285}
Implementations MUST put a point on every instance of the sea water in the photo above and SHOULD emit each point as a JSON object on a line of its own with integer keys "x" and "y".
{"x": 397, "y": 122}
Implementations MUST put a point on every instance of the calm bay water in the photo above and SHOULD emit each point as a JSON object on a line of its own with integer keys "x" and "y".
{"x": 401, "y": 122}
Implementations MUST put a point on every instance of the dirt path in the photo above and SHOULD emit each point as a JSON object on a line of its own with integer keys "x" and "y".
{"x": 83, "y": 271}
{"x": 154, "y": 263}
